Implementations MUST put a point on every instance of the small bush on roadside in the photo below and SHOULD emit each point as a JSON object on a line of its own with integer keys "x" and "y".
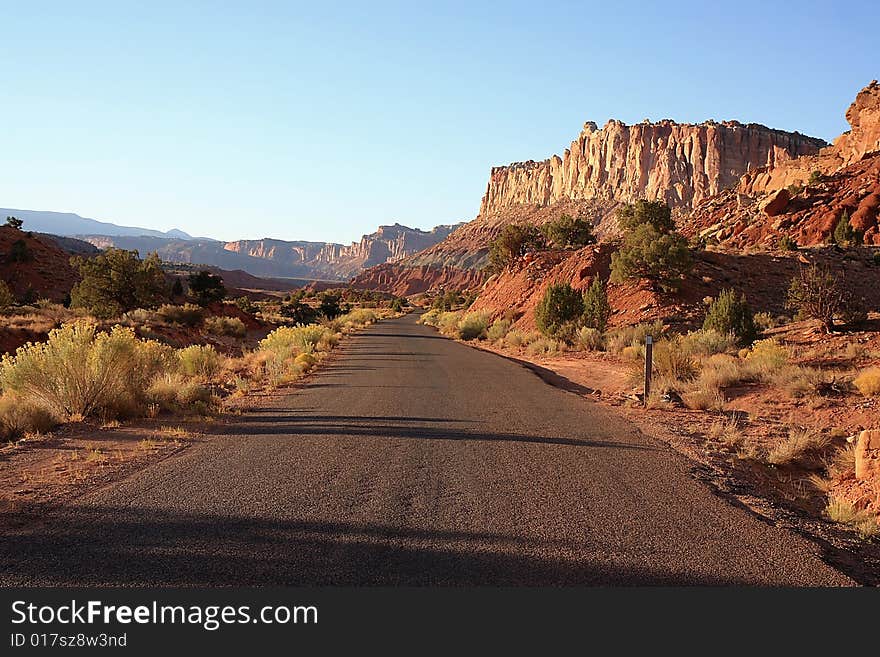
{"x": 516, "y": 339}
{"x": 868, "y": 382}
{"x": 626, "y": 336}
{"x": 597, "y": 310}
{"x": 188, "y": 314}
{"x": 447, "y": 322}
{"x": 231, "y": 326}
{"x": 172, "y": 392}
{"x": 846, "y": 513}
{"x": 560, "y": 305}
{"x": 18, "y": 417}
{"x": 473, "y": 326}
{"x": 79, "y": 371}
{"x": 802, "y": 447}
{"x": 542, "y": 346}
{"x": 674, "y": 362}
{"x": 730, "y": 314}
{"x": 765, "y": 357}
{"x": 498, "y": 330}
{"x": 197, "y": 360}
{"x": 589, "y": 339}
{"x": 708, "y": 342}
{"x": 817, "y": 293}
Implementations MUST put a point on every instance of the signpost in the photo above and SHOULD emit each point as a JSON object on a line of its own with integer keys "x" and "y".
{"x": 649, "y": 365}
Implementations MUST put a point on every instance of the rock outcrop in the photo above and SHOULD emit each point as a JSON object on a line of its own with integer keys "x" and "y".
{"x": 804, "y": 198}
{"x": 678, "y": 163}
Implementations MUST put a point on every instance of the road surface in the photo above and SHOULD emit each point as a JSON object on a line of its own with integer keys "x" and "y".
{"x": 413, "y": 459}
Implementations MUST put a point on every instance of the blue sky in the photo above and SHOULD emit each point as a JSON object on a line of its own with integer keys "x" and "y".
{"x": 323, "y": 120}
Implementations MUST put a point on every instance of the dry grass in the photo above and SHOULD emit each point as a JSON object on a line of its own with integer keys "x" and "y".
{"x": 702, "y": 398}
{"x": 868, "y": 382}
{"x": 802, "y": 447}
{"x": 728, "y": 432}
{"x": 842, "y": 463}
{"x": 846, "y": 513}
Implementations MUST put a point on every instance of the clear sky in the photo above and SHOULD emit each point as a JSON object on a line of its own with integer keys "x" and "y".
{"x": 322, "y": 120}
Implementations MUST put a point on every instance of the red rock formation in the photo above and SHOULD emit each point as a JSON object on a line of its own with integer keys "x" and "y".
{"x": 44, "y": 273}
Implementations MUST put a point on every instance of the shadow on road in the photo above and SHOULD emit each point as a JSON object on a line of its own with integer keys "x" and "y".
{"x": 132, "y": 547}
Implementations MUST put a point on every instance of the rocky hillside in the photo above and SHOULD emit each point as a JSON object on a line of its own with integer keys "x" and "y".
{"x": 804, "y": 198}
{"x": 289, "y": 259}
{"x": 680, "y": 163}
{"x": 34, "y": 266}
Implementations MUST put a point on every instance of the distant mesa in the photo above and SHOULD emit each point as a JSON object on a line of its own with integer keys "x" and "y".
{"x": 71, "y": 225}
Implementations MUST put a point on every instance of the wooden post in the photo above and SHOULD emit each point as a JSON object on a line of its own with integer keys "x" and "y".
{"x": 649, "y": 365}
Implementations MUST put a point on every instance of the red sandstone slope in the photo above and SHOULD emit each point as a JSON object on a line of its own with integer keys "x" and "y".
{"x": 44, "y": 272}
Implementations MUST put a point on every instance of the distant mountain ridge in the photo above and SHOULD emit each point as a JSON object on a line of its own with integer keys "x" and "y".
{"x": 265, "y": 257}
{"x": 68, "y": 224}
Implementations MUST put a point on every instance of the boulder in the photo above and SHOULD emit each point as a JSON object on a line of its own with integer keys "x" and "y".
{"x": 775, "y": 203}
{"x": 868, "y": 454}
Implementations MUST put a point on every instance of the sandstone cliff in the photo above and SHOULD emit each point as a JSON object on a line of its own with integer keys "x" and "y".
{"x": 678, "y": 163}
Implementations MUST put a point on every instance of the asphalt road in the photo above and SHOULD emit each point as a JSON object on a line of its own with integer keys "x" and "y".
{"x": 412, "y": 459}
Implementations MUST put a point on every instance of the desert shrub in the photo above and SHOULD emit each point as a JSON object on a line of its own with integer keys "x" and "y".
{"x": 651, "y": 247}
{"x": 79, "y": 371}
{"x": 765, "y": 320}
{"x": 138, "y": 317}
{"x": 117, "y": 281}
{"x": 6, "y": 297}
{"x": 498, "y": 330}
{"x": 560, "y": 304}
{"x": 244, "y": 304}
{"x": 359, "y": 317}
{"x": 618, "y": 339}
{"x": 515, "y": 339}
{"x": 846, "y": 513}
{"x": 515, "y": 240}
{"x": 188, "y": 314}
{"x": 597, "y": 310}
{"x": 288, "y": 341}
{"x": 447, "y": 322}
{"x": 764, "y": 358}
{"x": 172, "y": 392}
{"x": 844, "y": 234}
{"x": 815, "y": 178}
{"x": 701, "y": 398}
{"x": 221, "y": 325}
{"x": 541, "y": 346}
{"x": 817, "y": 293}
{"x": 198, "y": 360}
{"x": 633, "y": 352}
{"x": 788, "y": 243}
{"x": 430, "y": 317}
{"x": 19, "y": 252}
{"x": 588, "y": 339}
{"x": 397, "y": 305}
{"x": 18, "y": 417}
{"x": 719, "y": 371}
{"x": 868, "y": 382}
{"x": 673, "y": 361}
{"x": 797, "y": 381}
{"x": 448, "y": 300}
{"x": 569, "y": 232}
{"x": 473, "y": 326}
{"x": 329, "y": 306}
{"x": 802, "y": 447}
{"x": 731, "y": 314}
{"x": 708, "y": 342}
{"x": 206, "y": 288}
{"x": 14, "y": 222}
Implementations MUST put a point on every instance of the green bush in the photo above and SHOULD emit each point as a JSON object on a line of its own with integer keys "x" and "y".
{"x": 358, "y": 317}
{"x": 18, "y": 417}
{"x": 473, "y": 326}
{"x": 78, "y": 371}
{"x": 560, "y": 305}
{"x": 231, "y": 326}
{"x": 597, "y": 310}
{"x": 647, "y": 253}
{"x": 731, "y": 314}
{"x": 844, "y": 234}
{"x": 206, "y": 288}
{"x": 514, "y": 241}
{"x": 117, "y": 281}
{"x": 646, "y": 213}
{"x": 200, "y": 361}
{"x": 708, "y": 342}
{"x": 569, "y": 232}
{"x": 188, "y": 314}
{"x": 632, "y": 336}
